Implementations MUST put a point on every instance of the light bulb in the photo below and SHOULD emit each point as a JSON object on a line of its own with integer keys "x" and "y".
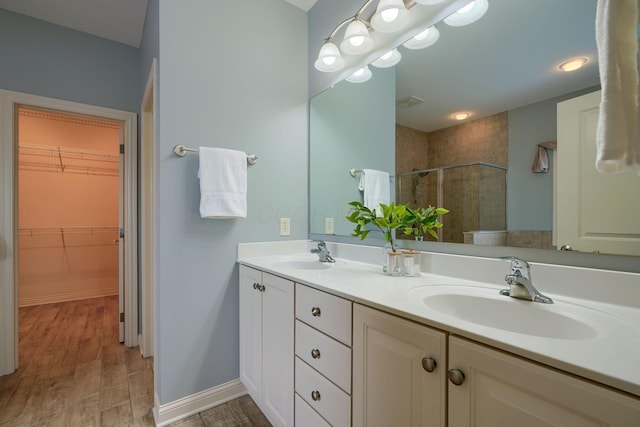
{"x": 572, "y": 64}
{"x": 423, "y": 35}
{"x": 359, "y": 73}
{"x": 389, "y": 15}
{"x": 329, "y": 60}
{"x": 424, "y": 39}
{"x": 360, "y": 76}
{"x": 389, "y": 59}
{"x": 467, "y": 14}
{"x": 356, "y": 41}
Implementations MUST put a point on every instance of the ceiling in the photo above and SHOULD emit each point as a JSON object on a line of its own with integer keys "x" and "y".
{"x": 505, "y": 60}
{"x": 119, "y": 20}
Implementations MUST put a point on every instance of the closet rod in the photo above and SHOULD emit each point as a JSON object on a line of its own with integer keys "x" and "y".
{"x": 182, "y": 151}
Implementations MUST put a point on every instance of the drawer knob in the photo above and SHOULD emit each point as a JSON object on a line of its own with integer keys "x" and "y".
{"x": 429, "y": 364}
{"x": 315, "y": 353}
{"x": 315, "y": 311}
{"x": 315, "y": 395}
{"x": 456, "y": 376}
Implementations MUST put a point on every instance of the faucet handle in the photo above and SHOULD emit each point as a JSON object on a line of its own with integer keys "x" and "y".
{"x": 516, "y": 263}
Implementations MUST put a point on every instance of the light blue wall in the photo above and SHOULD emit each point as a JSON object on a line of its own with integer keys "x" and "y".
{"x": 49, "y": 60}
{"x": 237, "y": 80}
{"x": 356, "y": 120}
{"x": 530, "y": 195}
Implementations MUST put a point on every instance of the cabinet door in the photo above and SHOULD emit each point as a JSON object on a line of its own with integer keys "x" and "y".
{"x": 390, "y": 385}
{"x": 500, "y": 390}
{"x": 251, "y": 332}
{"x": 277, "y": 349}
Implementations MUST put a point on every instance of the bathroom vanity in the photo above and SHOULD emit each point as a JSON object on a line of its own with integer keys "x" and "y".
{"x": 344, "y": 344}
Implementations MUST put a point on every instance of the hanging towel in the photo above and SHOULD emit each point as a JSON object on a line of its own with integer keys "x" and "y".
{"x": 376, "y": 187}
{"x": 617, "y": 136}
{"x": 541, "y": 162}
{"x": 223, "y": 183}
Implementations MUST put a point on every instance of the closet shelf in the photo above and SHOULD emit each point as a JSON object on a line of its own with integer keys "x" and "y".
{"x": 63, "y": 237}
{"x": 65, "y": 159}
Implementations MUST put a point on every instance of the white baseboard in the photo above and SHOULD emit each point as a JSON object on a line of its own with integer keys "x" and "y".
{"x": 67, "y": 296}
{"x": 187, "y": 406}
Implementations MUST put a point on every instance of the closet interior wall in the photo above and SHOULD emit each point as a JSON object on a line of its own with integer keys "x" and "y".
{"x": 68, "y": 180}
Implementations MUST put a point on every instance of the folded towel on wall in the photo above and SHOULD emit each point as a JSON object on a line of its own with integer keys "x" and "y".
{"x": 223, "y": 183}
{"x": 618, "y": 133}
{"x": 376, "y": 187}
{"x": 541, "y": 162}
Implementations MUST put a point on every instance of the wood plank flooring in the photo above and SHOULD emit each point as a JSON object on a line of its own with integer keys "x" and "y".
{"x": 74, "y": 372}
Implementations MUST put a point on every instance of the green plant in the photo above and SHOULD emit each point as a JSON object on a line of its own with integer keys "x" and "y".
{"x": 392, "y": 218}
{"x": 419, "y": 221}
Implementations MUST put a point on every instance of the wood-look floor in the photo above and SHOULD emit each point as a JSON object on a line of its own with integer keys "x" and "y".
{"x": 74, "y": 372}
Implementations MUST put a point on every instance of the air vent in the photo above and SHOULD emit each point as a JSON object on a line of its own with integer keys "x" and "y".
{"x": 409, "y": 101}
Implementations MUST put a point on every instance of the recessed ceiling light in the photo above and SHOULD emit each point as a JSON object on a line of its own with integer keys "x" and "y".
{"x": 461, "y": 115}
{"x": 572, "y": 64}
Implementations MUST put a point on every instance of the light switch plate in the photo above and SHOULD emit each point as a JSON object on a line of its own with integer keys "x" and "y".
{"x": 328, "y": 226}
{"x": 285, "y": 226}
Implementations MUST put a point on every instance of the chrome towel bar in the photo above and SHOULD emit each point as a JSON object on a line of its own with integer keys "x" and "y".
{"x": 182, "y": 151}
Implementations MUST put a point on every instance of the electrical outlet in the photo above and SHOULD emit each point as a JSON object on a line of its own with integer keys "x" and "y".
{"x": 328, "y": 226}
{"x": 285, "y": 226}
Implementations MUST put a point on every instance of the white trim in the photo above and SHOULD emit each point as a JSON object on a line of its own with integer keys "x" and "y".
{"x": 187, "y": 406}
{"x": 8, "y": 259}
{"x": 67, "y": 296}
{"x": 147, "y": 188}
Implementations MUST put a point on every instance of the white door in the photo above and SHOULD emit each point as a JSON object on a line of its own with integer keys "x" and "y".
{"x": 499, "y": 390}
{"x": 121, "y": 238}
{"x": 251, "y": 331}
{"x": 399, "y": 371}
{"x": 585, "y": 219}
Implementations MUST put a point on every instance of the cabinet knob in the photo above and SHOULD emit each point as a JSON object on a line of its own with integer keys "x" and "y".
{"x": 429, "y": 364}
{"x": 456, "y": 376}
{"x": 255, "y": 285}
{"x": 315, "y": 353}
{"x": 262, "y": 288}
{"x": 315, "y": 395}
{"x": 315, "y": 311}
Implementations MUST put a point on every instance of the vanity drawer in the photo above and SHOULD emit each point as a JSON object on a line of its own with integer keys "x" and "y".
{"x": 333, "y": 404}
{"x": 323, "y": 311}
{"x": 306, "y": 416}
{"x": 326, "y": 355}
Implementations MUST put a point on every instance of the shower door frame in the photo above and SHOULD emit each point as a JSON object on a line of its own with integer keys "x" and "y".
{"x": 9, "y": 101}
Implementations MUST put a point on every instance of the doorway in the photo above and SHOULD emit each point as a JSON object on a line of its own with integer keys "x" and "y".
{"x": 10, "y": 233}
{"x": 69, "y": 204}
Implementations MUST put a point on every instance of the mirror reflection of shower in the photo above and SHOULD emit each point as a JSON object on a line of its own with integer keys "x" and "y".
{"x": 474, "y": 194}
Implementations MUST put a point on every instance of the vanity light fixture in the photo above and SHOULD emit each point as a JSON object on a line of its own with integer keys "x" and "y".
{"x": 387, "y": 60}
{"x": 360, "y": 76}
{"x": 390, "y": 16}
{"x": 329, "y": 58}
{"x": 461, "y": 115}
{"x": 356, "y": 38}
{"x": 424, "y": 39}
{"x": 468, "y": 14}
{"x": 573, "y": 64}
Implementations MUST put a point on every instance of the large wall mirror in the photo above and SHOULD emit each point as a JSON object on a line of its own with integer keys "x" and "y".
{"x": 503, "y": 71}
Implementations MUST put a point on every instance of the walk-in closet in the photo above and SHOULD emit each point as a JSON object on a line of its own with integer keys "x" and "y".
{"x": 68, "y": 207}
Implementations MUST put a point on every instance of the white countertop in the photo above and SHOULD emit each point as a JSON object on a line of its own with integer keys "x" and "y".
{"x": 610, "y": 355}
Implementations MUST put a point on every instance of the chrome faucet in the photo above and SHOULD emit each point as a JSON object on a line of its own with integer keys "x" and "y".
{"x": 322, "y": 252}
{"x": 520, "y": 284}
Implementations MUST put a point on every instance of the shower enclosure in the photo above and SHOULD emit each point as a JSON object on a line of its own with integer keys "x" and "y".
{"x": 474, "y": 193}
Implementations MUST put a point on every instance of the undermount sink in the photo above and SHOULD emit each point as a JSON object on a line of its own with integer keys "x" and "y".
{"x": 310, "y": 263}
{"x": 484, "y": 306}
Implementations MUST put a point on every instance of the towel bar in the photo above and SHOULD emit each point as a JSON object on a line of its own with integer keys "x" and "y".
{"x": 182, "y": 151}
{"x": 354, "y": 171}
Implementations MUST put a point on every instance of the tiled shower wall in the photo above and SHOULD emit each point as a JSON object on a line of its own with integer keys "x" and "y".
{"x": 482, "y": 140}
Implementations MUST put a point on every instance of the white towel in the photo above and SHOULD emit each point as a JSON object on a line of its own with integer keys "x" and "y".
{"x": 617, "y": 136}
{"x": 376, "y": 187}
{"x": 223, "y": 183}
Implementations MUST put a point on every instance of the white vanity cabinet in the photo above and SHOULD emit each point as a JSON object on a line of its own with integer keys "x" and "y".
{"x": 266, "y": 342}
{"x": 399, "y": 371}
{"x": 323, "y": 359}
{"x": 499, "y": 390}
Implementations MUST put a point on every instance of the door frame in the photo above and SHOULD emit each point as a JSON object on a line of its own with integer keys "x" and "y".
{"x": 148, "y": 110}
{"x": 8, "y": 215}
